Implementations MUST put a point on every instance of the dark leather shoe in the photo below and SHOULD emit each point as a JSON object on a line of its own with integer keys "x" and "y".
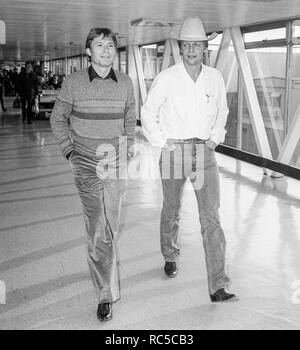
{"x": 221, "y": 295}
{"x": 170, "y": 269}
{"x": 104, "y": 312}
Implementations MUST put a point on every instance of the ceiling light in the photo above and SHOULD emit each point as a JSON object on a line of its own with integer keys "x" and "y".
{"x": 143, "y": 22}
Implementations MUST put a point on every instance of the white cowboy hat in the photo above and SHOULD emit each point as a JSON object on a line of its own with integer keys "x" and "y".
{"x": 192, "y": 29}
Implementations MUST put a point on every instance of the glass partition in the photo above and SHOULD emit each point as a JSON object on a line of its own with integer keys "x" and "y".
{"x": 85, "y": 61}
{"x": 274, "y": 58}
{"x": 123, "y": 61}
{"x": 150, "y": 63}
{"x": 265, "y": 35}
{"x": 294, "y": 101}
{"x": 230, "y": 76}
{"x": 268, "y": 67}
{"x": 57, "y": 67}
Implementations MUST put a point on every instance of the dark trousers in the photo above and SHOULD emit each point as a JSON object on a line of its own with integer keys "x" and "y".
{"x": 1, "y": 98}
{"x": 27, "y": 103}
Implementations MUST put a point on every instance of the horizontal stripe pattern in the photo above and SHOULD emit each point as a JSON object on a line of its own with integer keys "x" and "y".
{"x": 99, "y": 103}
{"x": 97, "y": 109}
{"x": 96, "y": 129}
{"x": 97, "y": 116}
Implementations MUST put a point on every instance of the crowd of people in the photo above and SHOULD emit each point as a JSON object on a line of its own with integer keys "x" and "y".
{"x": 10, "y": 80}
{"x": 50, "y": 81}
{"x": 26, "y": 83}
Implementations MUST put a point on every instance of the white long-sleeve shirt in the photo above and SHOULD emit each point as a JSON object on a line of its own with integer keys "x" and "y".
{"x": 179, "y": 108}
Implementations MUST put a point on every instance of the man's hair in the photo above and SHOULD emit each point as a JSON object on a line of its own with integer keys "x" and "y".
{"x": 95, "y": 32}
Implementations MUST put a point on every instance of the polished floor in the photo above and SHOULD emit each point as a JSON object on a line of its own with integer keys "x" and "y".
{"x": 43, "y": 256}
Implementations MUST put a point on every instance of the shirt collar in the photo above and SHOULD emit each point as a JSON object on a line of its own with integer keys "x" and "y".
{"x": 203, "y": 68}
{"x": 93, "y": 74}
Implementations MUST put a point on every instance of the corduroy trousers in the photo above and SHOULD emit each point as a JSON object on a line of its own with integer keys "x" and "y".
{"x": 101, "y": 189}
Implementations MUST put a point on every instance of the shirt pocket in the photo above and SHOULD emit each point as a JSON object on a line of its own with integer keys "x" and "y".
{"x": 208, "y": 104}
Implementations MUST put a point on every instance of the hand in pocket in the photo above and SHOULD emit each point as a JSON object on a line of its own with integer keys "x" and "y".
{"x": 170, "y": 145}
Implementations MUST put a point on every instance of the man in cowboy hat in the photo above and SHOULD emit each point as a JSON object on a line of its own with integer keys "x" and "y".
{"x": 185, "y": 114}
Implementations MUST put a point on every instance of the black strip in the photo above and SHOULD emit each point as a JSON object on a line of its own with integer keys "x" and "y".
{"x": 260, "y": 161}
{"x": 97, "y": 116}
{"x": 256, "y": 160}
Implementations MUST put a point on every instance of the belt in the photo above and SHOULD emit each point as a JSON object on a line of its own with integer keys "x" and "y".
{"x": 192, "y": 140}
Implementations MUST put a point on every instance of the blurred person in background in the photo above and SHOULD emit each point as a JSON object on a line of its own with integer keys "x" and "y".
{"x": 2, "y": 90}
{"x": 28, "y": 91}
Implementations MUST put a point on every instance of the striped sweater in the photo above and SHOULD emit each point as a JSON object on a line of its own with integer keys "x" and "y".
{"x": 88, "y": 113}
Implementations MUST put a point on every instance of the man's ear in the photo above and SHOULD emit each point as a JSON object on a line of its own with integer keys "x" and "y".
{"x": 88, "y": 51}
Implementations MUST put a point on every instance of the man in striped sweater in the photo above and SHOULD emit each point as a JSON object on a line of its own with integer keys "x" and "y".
{"x": 93, "y": 121}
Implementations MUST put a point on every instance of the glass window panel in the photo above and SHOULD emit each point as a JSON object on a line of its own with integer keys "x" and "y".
{"x": 58, "y": 67}
{"x": 296, "y": 32}
{"x": 294, "y": 101}
{"x": 295, "y": 84}
{"x": 212, "y": 53}
{"x": 85, "y": 62}
{"x": 230, "y": 76}
{"x": 295, "y": 161}
{"x": 75, "y": 64}
{"x": 150, "y": 63}
{"x": 69, "y": 65}
{"x": 160, "y": 56}
{"x": 211, "y": 56}
{"x": 248, "y": 138}
{"x": 268, "y": 71}
{"x": 123, "y": 62}
{"x": 213, "y": 47}
{"x": 264, "y": 35}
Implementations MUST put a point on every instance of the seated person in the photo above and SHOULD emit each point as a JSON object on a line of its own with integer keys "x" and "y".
{"x": 55, "y": 83}
{"x": 42, "y": 83}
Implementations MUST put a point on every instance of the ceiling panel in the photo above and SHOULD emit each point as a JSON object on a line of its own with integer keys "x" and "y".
{"x": 36, "y": 27}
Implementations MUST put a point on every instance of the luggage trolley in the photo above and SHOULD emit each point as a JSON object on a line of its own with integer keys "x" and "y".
{"x": 45, "y": 104}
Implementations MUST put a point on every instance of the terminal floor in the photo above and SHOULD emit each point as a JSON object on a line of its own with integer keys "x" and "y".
{"x": 43, "y": 253}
